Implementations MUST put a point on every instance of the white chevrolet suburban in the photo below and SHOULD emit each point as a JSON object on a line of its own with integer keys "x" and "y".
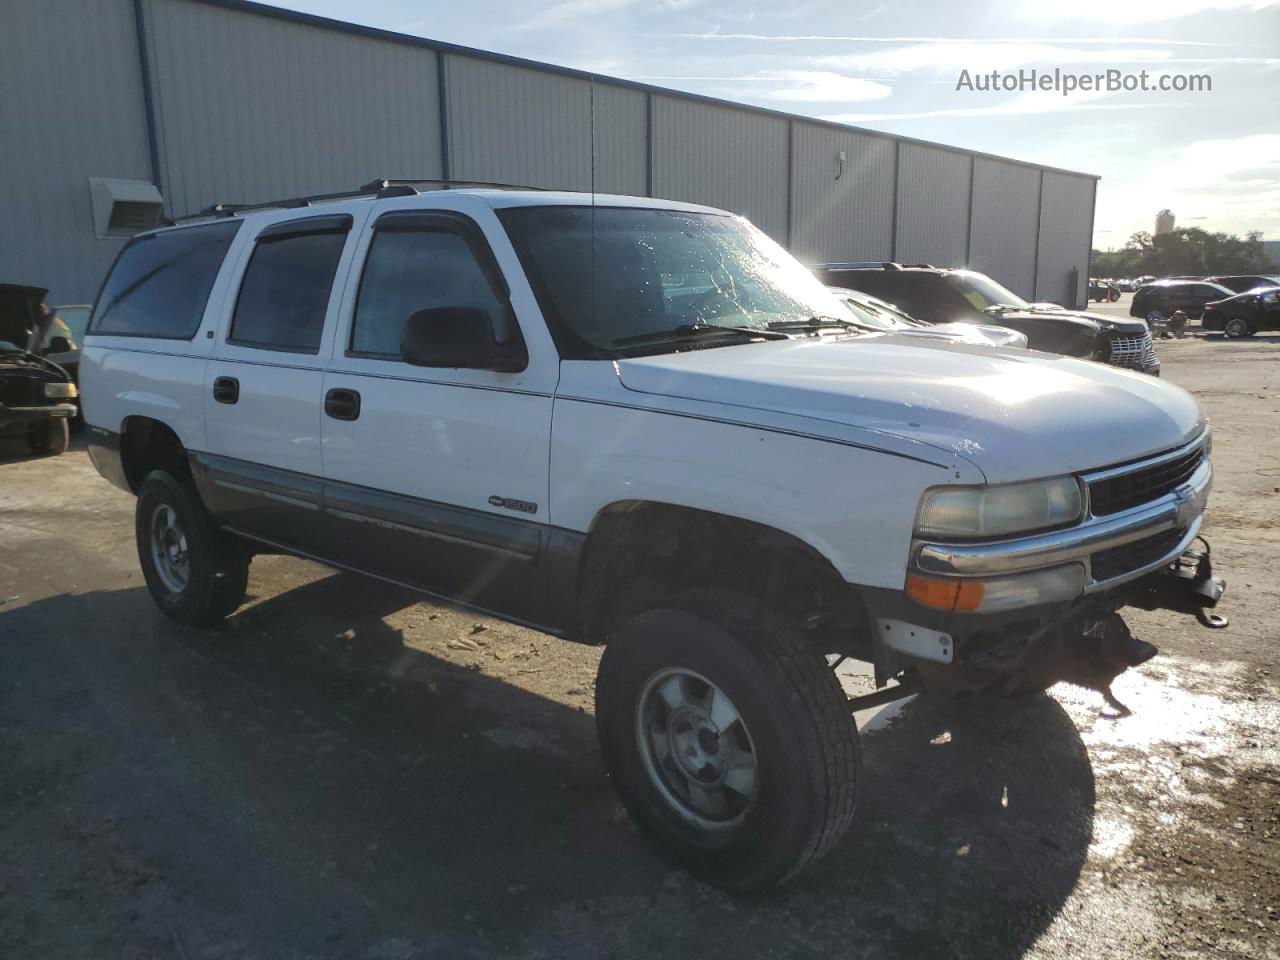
{"x": 640, "y": 423}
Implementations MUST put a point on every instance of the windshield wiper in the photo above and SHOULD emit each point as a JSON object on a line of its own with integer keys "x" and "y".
{"x": 820, "y": 323}
{"x": 694, "y": 331}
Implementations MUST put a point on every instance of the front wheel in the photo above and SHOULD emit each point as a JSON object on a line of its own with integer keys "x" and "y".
{"x": 51, "y": 436}
{"x": 197, "y": 574}
{"x": 728, "y": 739}
{"x": 1236, "y": 327}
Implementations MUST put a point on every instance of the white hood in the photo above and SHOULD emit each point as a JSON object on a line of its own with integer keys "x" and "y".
{"x": 1015, "y": 414}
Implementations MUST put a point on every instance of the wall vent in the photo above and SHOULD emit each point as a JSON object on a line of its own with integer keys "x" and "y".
{"x": 122, "y": 208}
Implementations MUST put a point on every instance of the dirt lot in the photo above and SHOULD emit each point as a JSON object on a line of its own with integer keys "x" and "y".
{"x": 344, "y": 771}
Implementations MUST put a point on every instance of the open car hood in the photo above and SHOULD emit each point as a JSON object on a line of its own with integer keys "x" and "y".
{"x": 18, "y": 306}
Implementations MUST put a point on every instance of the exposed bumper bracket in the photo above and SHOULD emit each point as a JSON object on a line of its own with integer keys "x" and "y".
{"x": 1185, "y": 586}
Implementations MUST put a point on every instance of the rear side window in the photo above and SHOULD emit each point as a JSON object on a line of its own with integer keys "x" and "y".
{"x": 160, "y": 283}
{"x": 285, "y": 291}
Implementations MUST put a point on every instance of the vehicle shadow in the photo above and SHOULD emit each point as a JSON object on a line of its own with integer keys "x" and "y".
{"x": 1244, "y": 341}
{"x": 301, "y": 781}
{"x": 14, "y": 449}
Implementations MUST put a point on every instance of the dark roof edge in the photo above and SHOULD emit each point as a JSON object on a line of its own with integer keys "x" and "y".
{"x": 377, "y": 33}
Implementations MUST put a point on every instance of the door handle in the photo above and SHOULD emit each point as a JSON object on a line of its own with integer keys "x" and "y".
{"x": 342, "y": 404}
{"x": 226, "y": 389}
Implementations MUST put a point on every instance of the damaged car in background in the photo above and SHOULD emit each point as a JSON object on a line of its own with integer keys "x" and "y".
{"x": 715, "y": 475}
{"x": 36, "y": 395}
{"x": 943, "y": 295}
{"x": 876, "y": 314}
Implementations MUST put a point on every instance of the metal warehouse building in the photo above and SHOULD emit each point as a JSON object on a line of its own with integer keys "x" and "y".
{"x": 109, "y": 106}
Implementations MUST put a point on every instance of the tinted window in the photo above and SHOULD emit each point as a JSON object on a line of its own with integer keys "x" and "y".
{"x": 285, "y": 291}
{"x": 160, "y": 283}
{"x": 408, "y": 271}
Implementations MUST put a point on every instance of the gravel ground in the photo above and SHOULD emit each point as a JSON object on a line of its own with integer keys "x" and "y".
{"x": 345, "y": 771}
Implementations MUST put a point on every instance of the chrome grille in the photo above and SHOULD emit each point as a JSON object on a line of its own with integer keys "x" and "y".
{"x": 1132, "y": 350}
{"x": 1118, "y": 561}
{"x": 1122, "y": 491}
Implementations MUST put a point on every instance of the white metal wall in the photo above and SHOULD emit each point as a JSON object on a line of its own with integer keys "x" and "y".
{"x": 1066, "y": 222}
{"x": 252, "y": 108}
{"x": 1006, "y": 217}
{"x": 513, "y": 125}
{"x": 933, "y": 205}
{"x": 253, "y": 105}
{"x": 70, "y": 108}
{"x": 723, "y": 157}
{"x": 841, "y": 212}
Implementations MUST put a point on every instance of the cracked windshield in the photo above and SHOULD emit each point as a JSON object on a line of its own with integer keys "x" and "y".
{"x": 661, "y": 277}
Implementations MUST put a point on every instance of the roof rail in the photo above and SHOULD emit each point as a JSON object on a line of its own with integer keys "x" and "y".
{"x": 374, "y": 188}
{"x": 384, "y": 184}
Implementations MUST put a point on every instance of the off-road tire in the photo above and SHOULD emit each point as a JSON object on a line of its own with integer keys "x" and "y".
{"x": 805, "y": 741}
{"x": 51, "y": 437}
{"x": 218, "y": 562}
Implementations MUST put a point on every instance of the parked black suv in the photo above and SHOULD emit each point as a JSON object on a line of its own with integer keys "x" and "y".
{"x": 1244, "y": 314}
{"x": 1165, "y": 296}
{"x": 1245, "y": 283}
{"x": 939, "y": 295}
{"x": 35, "y": 393}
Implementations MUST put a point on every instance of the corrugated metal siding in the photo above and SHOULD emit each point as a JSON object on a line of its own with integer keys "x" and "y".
{"x": 254, "y": 108}
{"x": 933, "y": 205}
{"x": 1065, "y": 223}
{"x": 512, "y": 125}
{"x": 1006, "y": 199}
{"x": 722, "y": 157}
{"x": 622, "y": 150}
{"x": 850, "y": 219}
{"x": 70, "y": 109}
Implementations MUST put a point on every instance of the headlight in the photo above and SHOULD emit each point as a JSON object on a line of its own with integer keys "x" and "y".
{"x": 999, "y": 510}
{"x": 60, "y": 391}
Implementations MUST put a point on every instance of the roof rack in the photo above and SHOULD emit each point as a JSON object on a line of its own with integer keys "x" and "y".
{"x": 377, "y": 189}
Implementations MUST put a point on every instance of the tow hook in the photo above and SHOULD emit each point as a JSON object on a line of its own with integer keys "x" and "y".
{"x": 1187, "y": 586}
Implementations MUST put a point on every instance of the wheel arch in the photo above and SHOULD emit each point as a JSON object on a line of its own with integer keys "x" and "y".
{"x": 146, "y": 444}
{"x": 636, "y": 552}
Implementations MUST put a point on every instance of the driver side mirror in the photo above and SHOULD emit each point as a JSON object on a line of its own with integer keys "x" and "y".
{"x": 459, "y": 337}
{"x": 58, "y": 345}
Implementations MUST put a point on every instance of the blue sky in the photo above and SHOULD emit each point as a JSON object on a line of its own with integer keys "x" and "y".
{"x": 1212, "y": 157}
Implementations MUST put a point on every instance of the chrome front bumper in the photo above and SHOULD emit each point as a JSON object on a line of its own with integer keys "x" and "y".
{"x": 1180, "y": 509}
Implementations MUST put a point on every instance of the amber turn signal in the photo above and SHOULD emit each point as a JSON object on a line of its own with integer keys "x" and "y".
{"x": 961, "y": 596}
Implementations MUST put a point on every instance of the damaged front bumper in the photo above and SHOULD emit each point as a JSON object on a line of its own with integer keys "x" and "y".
{"x": 1029, "y": 593}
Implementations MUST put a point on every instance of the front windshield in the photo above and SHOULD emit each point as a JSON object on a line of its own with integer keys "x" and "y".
{"x": 983, "y": 292}
{"x": 611, "y": 280}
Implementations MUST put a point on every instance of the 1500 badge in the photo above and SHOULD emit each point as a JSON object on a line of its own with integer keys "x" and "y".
{"x": 507, "y": 503}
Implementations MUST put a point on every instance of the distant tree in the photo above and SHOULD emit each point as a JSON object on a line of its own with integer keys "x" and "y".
{"x": 1184, "y": 250}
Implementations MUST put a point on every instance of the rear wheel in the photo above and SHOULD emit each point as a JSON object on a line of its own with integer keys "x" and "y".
{"x": 49, "y": 436}
{"x": 728, "y": 738}
{"x": 1236, "y": 327}
{"x": 197, "y": 574}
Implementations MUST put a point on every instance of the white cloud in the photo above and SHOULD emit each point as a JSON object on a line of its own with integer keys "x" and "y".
{"x": 1229, "y": 183}
{"x": 821, "y": 86}
{"x": 797, "y": 38}
{"x": 1131, "y": 11}
{"x": 977, "y": 57}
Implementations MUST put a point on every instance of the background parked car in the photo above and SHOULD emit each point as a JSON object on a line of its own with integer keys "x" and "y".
{"x": 35, "y": 393}
{"x": 75, "y": 319}
{"x": 1165, "y": 296}
{"x": 941, "y": 295}
{"x": 1244, "y": 314}
{"x": 1101, "y": 290}
{"x": 1246, "y": 282}
{"x": 877, "y": 313}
